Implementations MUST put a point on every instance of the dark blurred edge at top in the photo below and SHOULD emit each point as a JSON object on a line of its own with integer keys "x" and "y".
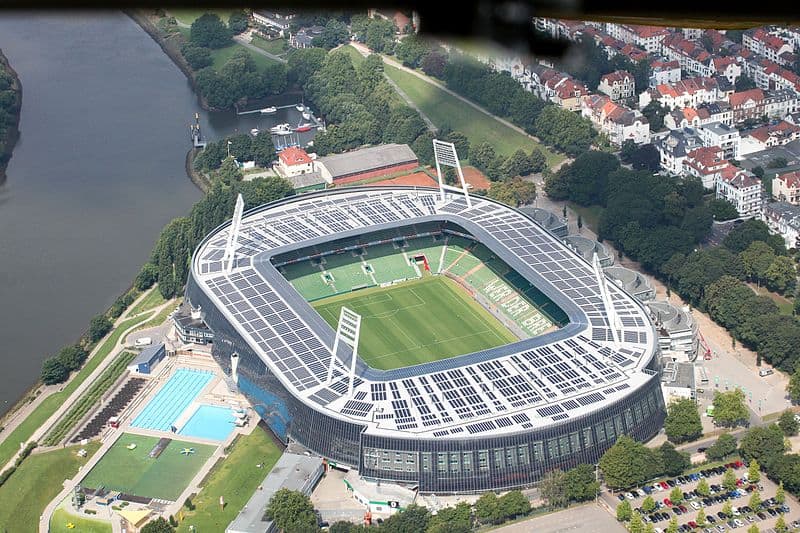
{"x": 506, "y": 22}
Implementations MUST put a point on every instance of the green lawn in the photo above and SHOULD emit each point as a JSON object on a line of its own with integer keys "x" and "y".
{"x": 151, "y": 300}
{"x": 417, "y": 322}
{"x": 60, "y": 519}
{"x": 28, "y": 491}
{"x": 159, "y": 319}
{"x": 785, "y": 305}
{"x": 274, "y": 46}
{"x": 221, "y": 55}
{"x": 23, "y": 432}
{"x": 134, "y": 472}
{"x": 590, "y": 216}
{"x": 187, "y": 16}
{"x": 236, "y": 478}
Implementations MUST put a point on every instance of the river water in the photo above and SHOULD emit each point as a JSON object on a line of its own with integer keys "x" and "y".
{"x": 97, "y": 172}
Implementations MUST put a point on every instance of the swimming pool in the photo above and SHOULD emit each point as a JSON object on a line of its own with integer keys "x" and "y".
{"x": 173, "y": 398}
{"x": 210, "y": 422}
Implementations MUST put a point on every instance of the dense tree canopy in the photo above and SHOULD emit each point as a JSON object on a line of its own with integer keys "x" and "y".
{"x": 683, "y": 421}
{"x": 209, "y": 31}
{"x": 291, "y": 510}
{"x": 628, "y": 463}
{"x": 762, "y": 443}
{"x": 730, "y": 409}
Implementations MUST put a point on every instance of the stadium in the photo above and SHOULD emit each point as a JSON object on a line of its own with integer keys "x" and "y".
{"x": 488, "y": 352}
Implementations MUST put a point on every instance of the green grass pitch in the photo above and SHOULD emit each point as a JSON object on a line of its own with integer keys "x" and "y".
{"x": 134, "y": 472}
{"x": 417, "y": 322}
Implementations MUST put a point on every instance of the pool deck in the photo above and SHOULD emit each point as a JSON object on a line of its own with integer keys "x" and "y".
{"x": 214, "y": 393}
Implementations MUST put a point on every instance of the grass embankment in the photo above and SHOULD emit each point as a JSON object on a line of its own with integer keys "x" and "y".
{"x": 162, "y": 315}
{"x": 134, "y": 472}
{"x": 275, "y": 46}
{"x": 221, "y": 55}
{"x": 785, "y": 305}
{"x": 60, "y": 519}
{"x": 417, "y": 322}
{"x": 187, "y": 16}
{"x": 89, "y": 398}
{"x": 236, "y": 478}
{"x": 152, "y": 300}
{"x": 26, "y": 493}
{"x": 49, "y": 406}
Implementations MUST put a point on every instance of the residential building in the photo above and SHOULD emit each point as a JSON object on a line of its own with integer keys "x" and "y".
{"x": 722, "y": 135}
{"x": 618, "y": 122}
{"x": 293, "y": 161}
{"x": 783, "y": 218}
{"x": 704, "y": 114}
{"x": 273, "y": 21}
{"x": 557, "y": 87}
{"x": 692, "y": 34}
{"x": 769, "y": 136}
{"x": 755, "y": 104}
{"x": 705, "y": 163}
{"x": 786, "y": 187}
{"x": 768, "y": 45}
{"x": 648, "y": 38}
{"x": 674, "y": 148}
{"x": 664, "y": 73}
{"x": 741, "y": 188}
{"x": 692, "y": 57}
{"x": 689, "y": 92}
{"x": 617, "y": 85}
{"x": 304, "y": 37}
{"x": 728, "y": 67}
{"x": 402, "y": 21}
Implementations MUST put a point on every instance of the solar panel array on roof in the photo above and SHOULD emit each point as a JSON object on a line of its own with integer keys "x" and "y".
{"x": 549, "y": 379}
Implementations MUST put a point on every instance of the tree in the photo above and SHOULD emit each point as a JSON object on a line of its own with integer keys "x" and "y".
{"x": 538, "y": 160}
{"x": 580, "y": 222}
{"x": 487, "y": 510}
{"x": 729, "y": 408}
{"x": 744, "y": 83}
{"x": 146, "y": 277}
{"x": 581, "y": 483}
{"x": 514, "y": 192}
{"x": 456, "y": 519}
{"x": 237, "y": 22}
{"x": 655, "y": 113}
{"x": 788, "y": 423}
{"x": 702, "y": 487}
{"x": 482, "y": 156}
{"x": 754, "y": 471}
{"x": 434, "y": 64}
{"x": 519, "y": 164}
{"x": 756, "y": 259}
{"x": 683, "y": 421}
{"x": 302, "y": 63}
{"x": 636, "y": 524}
{"x": 673, "y": 461}
{"x": 676, "y": 495}
{"x": 701, "y": 518}
{"x": 793, "y": 387}
{"x": 513, "y": 504}
{"x": 72, "y": 357}
{"x": 159, "y": 525}
{"x": 624, "y": 511}
{"x": 762, "y": 443}
{"x": 755, "y": 500}
{"x": 729, "y": 479}
{"x": 628, "y": 463}
{"x": 53, "y": 371}
{"x": 780, "y": 493}
{"x": 291, "y": 510}
{"x": 672, "y": 527}
{"x": 648, "y": 504}
{"x": 209, "y": 31}
{"x": 722, "y": 210}
{"x": 780, "y": 525}
{"x": 781, "y": 275}
{"x": 380, "y": 35}
{"x": 554, "y": 488}
{"x": 198, "y": 57}
{"x": 334, "y": 34}
{"x": 98, "y": 327}
{"x": 751, "y": 230}
{"x": 724, "y": 446}
{"x": 778, "y": 162}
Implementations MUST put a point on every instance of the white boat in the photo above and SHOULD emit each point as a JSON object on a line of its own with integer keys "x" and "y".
{"x": 300, "y": 107}
{"x": 269, "y": 110}
{"x": 254, "y": 132}
{"x": 281, "y": 129}
{"x": 306, "y": 115}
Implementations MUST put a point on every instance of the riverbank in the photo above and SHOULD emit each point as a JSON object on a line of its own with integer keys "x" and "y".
{"x": 169, "y": 44}
{"x": 198, "y": 178}
{"x": 9, "y": 140}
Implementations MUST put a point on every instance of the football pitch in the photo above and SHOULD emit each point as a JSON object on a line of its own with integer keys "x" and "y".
{"x": 417, "y": 322}
{"x": 132, "y": 471}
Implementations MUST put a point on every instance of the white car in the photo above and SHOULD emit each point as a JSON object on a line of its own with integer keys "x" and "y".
{"x": 630, "y": 496}
{"x": 658, "y": 487}
{"x": 695, "y": 506}
{"x": 738, "y": 522}
{"x": 735, "y": 511}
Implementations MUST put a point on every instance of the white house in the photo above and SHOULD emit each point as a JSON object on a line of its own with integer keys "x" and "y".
{"x": 722, "y": 135}
{"x": 618, "y": 122}
{"x": 617, "y": 85}
{"x": 742, "y": 189}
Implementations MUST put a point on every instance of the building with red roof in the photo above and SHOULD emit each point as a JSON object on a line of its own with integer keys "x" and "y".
{"x": 690, "y": 92}
{"x": 741, "y": 188}
{"x": 706, "y": 163}
{"x": 786, "y": 187}
{"x": 619, "y": 123}
{"x": 293, "y": 161}
{"x": 617, "y": 85}
{"x": 693, "y": 58}
{"x": 769, "y": 45}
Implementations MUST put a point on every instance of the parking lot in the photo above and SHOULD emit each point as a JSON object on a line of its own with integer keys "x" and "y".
{"x": 686, "y": 512}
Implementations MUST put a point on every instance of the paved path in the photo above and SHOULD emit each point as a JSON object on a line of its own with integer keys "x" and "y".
{"x": 589, "y": 518}
{"x": 242, "y": 41}
{"x": 389, "y": 61}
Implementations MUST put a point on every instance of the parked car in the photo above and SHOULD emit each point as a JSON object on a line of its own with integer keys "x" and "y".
{"x": 761, "y": 515}
{"x": 683, "y": 508}
{"x": 678, "y": 511}
{"x": 630, "y": 496}
{"x": 711, "y": 519}
{"x": 693, "y": 524}
{"x": 695, "y": 506}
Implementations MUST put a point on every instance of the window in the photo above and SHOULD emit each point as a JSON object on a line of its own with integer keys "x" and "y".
{"x": 483, "y": 460}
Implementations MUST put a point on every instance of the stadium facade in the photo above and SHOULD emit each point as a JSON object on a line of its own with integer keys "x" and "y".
{"x": 494, "y": 419}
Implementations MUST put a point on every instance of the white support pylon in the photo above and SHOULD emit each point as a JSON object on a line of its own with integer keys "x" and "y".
{"x": 611, "y": 312}
{"x": 348, "y": 332}
{"x": 445, "y": 155}
{"x": 233, "y": 236}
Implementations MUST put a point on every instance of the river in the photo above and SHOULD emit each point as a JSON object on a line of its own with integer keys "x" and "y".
{"x": 97, "y": 172}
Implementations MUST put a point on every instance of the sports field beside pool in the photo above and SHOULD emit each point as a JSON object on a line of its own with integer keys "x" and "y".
{"x": 417, "y": 322}
{"x": 132, "y": 471}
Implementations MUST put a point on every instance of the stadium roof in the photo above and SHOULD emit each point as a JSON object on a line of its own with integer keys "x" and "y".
{"x": 535, "y": 382}
{"x": 367, "y": 159}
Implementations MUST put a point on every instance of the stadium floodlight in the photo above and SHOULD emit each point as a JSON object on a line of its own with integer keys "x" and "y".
{"x": 445, "y": 155}
{"x": 233, "y": 236}
{"x": 611, "y": 311}
{"x": 348, "y": 331}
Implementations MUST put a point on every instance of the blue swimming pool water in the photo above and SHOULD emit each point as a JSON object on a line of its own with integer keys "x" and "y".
{"x": 173, "y": 398}
{"x": 210, "y": 422}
